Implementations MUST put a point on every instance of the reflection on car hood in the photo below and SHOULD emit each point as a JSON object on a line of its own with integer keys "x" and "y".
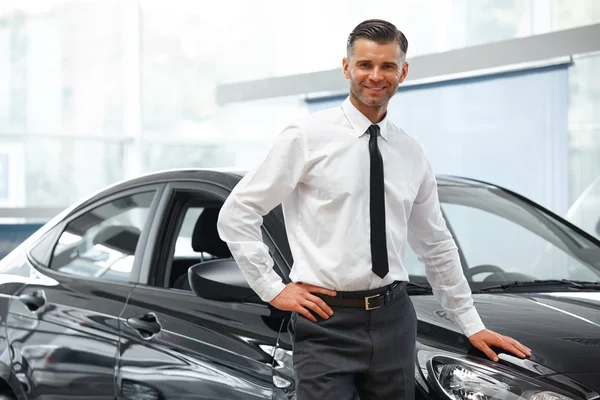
{"x": 561, "y": 329}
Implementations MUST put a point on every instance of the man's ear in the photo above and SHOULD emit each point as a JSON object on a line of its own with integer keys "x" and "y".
{"x": 404, "y": 72}
{"x": 346, "y": 67}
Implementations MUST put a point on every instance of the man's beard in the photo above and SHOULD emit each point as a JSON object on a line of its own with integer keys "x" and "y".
{"x": 369, "y": 102}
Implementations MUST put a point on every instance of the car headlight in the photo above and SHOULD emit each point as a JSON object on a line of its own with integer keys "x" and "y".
{"x": 461, "y": 379}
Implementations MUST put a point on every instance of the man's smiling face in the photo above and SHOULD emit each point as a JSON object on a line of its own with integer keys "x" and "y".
{"x": 375, "y": 71}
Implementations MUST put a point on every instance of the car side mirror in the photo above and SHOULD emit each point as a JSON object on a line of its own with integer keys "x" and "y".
{"x": 220, "y": 280}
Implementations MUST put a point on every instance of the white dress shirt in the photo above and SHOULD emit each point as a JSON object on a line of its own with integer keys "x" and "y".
{"x": 318, "y": 169}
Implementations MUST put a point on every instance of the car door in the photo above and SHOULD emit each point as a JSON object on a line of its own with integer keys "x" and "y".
{"x": 63, "y": 324}
{"x": 181, "y": 344}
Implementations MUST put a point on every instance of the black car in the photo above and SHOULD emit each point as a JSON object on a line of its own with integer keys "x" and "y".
{"x": 132, "y": 295}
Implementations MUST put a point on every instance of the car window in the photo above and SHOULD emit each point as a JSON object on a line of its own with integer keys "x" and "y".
{"x": 41, "y": 252}
{"x": 102, "y": 242}
{"x": 488, "y": 239}
{"x": 197, "y": 241}
{"x": 504, "y": 239}
{"x": 183, "y": 244}
{"x": 585, "y": 212}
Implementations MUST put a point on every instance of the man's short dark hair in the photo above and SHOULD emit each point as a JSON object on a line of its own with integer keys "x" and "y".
{"x": 379, "y": 31}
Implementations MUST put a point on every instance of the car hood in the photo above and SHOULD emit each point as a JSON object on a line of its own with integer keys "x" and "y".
{"x": 561, "y": 329}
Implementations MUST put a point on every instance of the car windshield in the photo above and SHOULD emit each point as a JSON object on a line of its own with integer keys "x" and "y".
{"x": 585, "y": 212}
{"x": 503, "y": 239}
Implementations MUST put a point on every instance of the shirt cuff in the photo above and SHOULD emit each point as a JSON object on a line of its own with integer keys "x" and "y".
{"x": 268, "y": 286}
{"x": 470, "y": 322}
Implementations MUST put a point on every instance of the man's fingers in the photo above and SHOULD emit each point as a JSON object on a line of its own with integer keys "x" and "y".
{"x": 488, "y": 352}
{"x": 517, "y": 348}
{"x": 509, "y": 347}
{"x": 483, "y": 340}
{"x": 524, "y": 349}
{"x": 315, "y": 308}
{"x": 317, "y": 289}
{"x": 304, "y": 312}
{"x": 321, "y": 303}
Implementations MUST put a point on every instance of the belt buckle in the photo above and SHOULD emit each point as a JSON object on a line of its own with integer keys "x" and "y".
{"x": 367, "y": 306}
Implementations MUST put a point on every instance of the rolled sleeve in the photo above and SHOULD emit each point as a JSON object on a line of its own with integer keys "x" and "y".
{"x": 435, "y": 247}
{"x": 258, "y": 192}
{"x": 469, "y": 321}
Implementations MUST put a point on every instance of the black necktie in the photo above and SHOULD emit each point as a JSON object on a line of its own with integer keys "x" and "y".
{"x": 379, "y": 257}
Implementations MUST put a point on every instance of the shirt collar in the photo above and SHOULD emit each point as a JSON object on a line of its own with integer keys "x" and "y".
{"x": 360, "y": 123}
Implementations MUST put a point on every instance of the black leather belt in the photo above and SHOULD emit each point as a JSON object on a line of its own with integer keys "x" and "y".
{"x": 367, "y": 299}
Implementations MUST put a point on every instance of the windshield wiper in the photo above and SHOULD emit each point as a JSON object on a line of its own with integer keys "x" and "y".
{"x": 415, "y": 288}
{"x": 546, "y": 282}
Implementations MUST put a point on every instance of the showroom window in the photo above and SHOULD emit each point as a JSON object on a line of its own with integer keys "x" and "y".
{"x": 97, "y": 91}
{"x": 509, "y": 129}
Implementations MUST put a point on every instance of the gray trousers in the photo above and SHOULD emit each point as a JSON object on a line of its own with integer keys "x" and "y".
{"x": 356, "y": 353}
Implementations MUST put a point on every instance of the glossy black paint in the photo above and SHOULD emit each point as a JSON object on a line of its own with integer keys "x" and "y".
{"x": 66, "y": 348}
{"x": 563, "y": 329}
{"x": 91, "y": 339}
{"x": 204, "y": 349}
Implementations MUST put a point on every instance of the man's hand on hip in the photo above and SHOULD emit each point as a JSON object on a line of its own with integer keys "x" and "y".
{"x": 484, "y": 339}
{"x": 299, "y": 297}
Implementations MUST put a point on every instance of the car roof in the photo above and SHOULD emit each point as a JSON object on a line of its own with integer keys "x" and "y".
{"x": 192, "y": 174}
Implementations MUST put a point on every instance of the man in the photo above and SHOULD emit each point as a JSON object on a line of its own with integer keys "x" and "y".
{"x": 355, "y": 189}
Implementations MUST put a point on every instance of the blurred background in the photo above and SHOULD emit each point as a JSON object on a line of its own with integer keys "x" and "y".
{"x": 96, "y": 91}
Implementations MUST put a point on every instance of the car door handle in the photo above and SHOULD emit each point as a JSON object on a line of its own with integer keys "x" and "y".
{"x": 34, "y": 301}
{"x": 146, "y": 325}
